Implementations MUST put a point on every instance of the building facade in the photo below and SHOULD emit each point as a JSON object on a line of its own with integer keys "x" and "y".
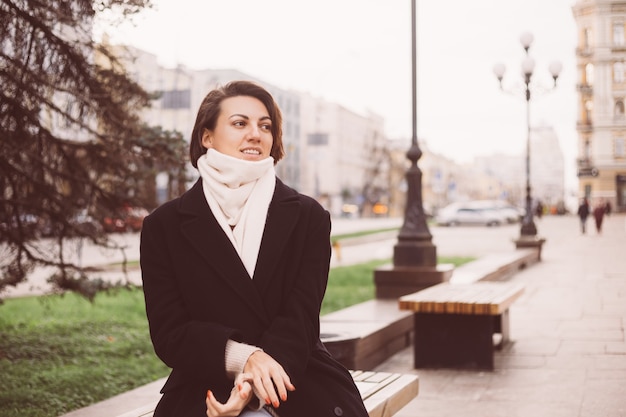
{"x": 547, "y": 173}
{"x": 332, "y": 153}
{"x": 344, "y": 156}
{"x": 601, "y": 125}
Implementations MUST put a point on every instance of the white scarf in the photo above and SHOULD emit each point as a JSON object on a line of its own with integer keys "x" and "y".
{"x": 239, "y": 194}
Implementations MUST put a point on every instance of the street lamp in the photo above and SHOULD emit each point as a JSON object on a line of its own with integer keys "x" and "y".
{"x": 528, "y": 230}
{"x": 414, "y": 246}
{"x": 414, "y": 256}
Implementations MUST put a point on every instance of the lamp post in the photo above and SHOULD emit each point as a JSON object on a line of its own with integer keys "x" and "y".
{"x": 414, "y": 232}
{"x": 528, "y": 230}
{"x": 414, "y": 256}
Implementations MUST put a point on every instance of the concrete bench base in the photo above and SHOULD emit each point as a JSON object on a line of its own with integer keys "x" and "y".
{"x": 495, "y": 266}
{"x": 456, "y": 340}
{"x": 455, "y": 324}
{"x": 366, "y": 334}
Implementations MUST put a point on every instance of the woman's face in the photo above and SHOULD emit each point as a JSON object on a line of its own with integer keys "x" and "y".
{"x": 243, "y": 129}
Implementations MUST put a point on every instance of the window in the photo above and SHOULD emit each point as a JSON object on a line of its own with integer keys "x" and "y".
{"x": 70, "y": 109}
{"x": 619, "y": 109}
{"x": 618, "y": 72}
{"x": 620, "y": 147}
{"x": 588, "y": 110}
{"x": 317, "y": 139}
{"x": 176, "y": 99}
{"x": 586, "y": 38}
{"x": 618, "y": 34}
{"x": 589, "y": 74}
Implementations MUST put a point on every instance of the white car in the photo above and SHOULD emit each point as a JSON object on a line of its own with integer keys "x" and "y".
{"x": 468, "y": 215}
{"x": 511, "y": 213}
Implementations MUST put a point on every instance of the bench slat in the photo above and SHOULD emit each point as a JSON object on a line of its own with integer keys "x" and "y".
{"x": 388, "y": 400}
{"x": 480, "y": 298}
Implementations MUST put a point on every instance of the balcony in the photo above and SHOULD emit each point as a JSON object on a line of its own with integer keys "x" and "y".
{"x": 618, "y": 48}
{"x": 585, "y": 89}
{"x": 584, "y": 126}
{"x": 585, "y": 168}
{"x": 583, "y": 163}
{"x": 587, "y": 172}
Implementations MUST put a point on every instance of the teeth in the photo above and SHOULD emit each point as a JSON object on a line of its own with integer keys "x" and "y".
{"x": 251, "y": 151}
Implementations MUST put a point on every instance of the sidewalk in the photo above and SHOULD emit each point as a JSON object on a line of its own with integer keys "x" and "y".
{"x": 97, "y": 257}
{"x": 568, "y": 358}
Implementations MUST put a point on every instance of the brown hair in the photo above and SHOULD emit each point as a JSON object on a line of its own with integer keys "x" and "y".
{"x": 210, "y": 109}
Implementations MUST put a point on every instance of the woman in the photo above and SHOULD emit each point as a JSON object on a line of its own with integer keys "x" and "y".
{"x": 234, "y": 273}
{"x": 598, "y": 215}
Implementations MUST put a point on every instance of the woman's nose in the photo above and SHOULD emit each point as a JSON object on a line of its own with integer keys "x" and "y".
{"x": 254, "y": 133}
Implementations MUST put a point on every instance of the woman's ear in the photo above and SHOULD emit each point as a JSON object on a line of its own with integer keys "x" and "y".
{"x": 207, "y": 138}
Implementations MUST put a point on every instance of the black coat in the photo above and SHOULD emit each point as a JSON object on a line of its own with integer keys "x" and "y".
{"x": 198, "y": 295}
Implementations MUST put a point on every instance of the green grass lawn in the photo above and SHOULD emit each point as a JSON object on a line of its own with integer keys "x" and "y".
{"x": 60, "y": 353}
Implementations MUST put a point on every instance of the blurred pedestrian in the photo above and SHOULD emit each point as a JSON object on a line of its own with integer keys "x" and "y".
{"x": 607, "y": 208}
{"x": 583, "y": 213}
{"x": 598, "y": 215}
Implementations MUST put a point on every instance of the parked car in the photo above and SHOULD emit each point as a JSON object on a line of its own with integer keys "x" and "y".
{"x": 467, "y": 215}
{"x": 79, "y": 224}
{"x": 350, "y": 211}
{"x": 130, "y": 220}
{"x": 512, "y": 213}
{"x": 86, "y": 223}
{"x": 30, "y": 224}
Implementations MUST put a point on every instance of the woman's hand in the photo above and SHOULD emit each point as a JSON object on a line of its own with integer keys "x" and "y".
{"x": 269, "y": 379}
{"x": 240, "y": 396}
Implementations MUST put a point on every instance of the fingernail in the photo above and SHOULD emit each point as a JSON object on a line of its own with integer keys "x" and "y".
{"x": 276, "y": 404}
{"x": 239, "y": 387}
{"x": 208, "y": 394}
{"x": 267, "y": 401}
{"x": 283, "y": 397}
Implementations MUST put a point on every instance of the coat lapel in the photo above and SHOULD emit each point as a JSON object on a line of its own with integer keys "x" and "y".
{"x": 282, "y": 217}
{"x": 205, "y": 234}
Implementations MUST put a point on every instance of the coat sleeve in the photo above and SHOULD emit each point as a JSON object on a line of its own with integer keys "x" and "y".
{"x": 193, "y": 348}
{"x": 294, "y": 330}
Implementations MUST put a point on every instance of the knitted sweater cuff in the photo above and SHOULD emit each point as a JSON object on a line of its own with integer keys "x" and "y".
{"x": 237, "y": 355}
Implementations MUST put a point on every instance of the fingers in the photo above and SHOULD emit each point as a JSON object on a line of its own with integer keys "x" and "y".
{"x": 271, "y": 382}
{"x": 243, "y": 385}
{"x": 239, "y": 398}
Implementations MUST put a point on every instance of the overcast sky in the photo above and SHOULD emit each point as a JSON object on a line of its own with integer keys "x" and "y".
{"x": 358, "y": 53}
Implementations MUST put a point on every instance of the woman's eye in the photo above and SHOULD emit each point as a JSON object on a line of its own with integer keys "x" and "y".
{"x": 266, "y": 127}
{"x": 239, "y": 123}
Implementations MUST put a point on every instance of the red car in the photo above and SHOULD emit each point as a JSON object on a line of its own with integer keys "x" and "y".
{"x": 130, "y": 221}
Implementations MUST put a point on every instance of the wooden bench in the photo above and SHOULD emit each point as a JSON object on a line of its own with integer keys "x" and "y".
{"x": 495, "y": 266}
{"x": 455, "y": 324}
{"x": 384, "y": 394}
{"x": 366, "y": 334}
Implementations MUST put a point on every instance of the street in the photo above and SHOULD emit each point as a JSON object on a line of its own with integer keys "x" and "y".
{"x": 471, "y": 241}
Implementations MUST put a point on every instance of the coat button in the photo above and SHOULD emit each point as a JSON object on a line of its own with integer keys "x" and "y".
{"x": 338, "y": 411}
